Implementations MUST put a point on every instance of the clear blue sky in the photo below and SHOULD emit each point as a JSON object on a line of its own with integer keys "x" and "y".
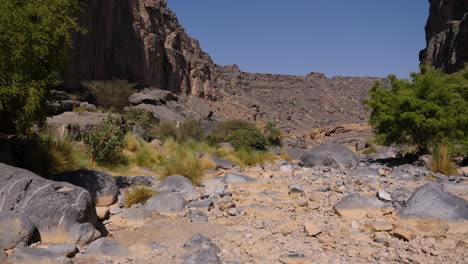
{"x": 336, "y": 37}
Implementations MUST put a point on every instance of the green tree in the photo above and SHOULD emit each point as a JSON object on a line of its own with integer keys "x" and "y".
{"x": 429, "y": 109}
{"x": 273, "y": 133}
{"x": 35, "y": 39}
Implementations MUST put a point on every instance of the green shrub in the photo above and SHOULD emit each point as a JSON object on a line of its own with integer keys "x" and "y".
{"x": 139, "y": 194}
{"x": 249, "y": 139}
{"x": 51, "y": 154}
{"x": 139, "y": 120}
{"x": 190, "y": 129}
{"x": 164, "y": 131}
{"x": 273, "y": 133}
{"x": 226, "y": 128}
{"x": 429, "y": 109}
{"x": 35, "y": 41}
{"x": 145, "y": 156}
{"x": 111, "y": 93}
{"x": 106, "y": 141}
{"x": 441, "y": 161}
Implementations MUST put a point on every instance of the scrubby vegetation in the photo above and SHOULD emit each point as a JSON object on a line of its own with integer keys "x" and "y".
{"x": 35, "y": 40}
{"x": 111, "y": 94}
{"x": 370, "y": 147}
{"x": 441, "y": 161}
{"x": 429, "y": 109}
{"x": 248, "y": 139}
{"x": 139, "y": 194}
{"x": 273, "y": 133}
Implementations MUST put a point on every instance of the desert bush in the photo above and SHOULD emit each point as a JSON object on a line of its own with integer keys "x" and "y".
{"x": 207, "y": 162}
{"x": 50, "y": 154}
{"x": 164, "y": 131}
{"x": 146, "y": 156}
{"x": 226, "y": 128}
{"x": 106, "y": 142}
{"x": 429, "y": 109}
{"x": 190, "y": 129}
{"x": 441, "y": 161}
{"x": 110, "y": 93}
{"x": 248, "y": 139}
{"x": 139, "y": 194}
{"x": 35, "y": 40}
{"x": 273, "y": 133}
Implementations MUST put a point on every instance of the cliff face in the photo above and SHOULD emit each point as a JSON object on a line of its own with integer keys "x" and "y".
{"x": 447, "y": 35}
{"x": 142, "y": 41}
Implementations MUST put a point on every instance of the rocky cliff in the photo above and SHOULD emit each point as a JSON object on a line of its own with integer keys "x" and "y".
{"x": 447, "y": 35}
{"x": 142, "y": 41}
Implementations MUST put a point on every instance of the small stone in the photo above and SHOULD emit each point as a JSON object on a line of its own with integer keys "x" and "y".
{"x": 14, "y": 228}
{"x": 404, "y": 233}
{"x": 81, "y": 234}
{"x": 286, "y": 228}
{"x": 384, "y": 196}
{"x": 197, "y": 216}
{"x": 312, "y": 229}
{"x": 355, "y": 224}
{"x": 232, "y": 211}
{"x": 295, "y": 189}
{"x": 381, "y": 226}
{"x": 115, "y": 210}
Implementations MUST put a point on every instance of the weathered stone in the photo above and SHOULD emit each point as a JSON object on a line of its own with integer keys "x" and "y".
{"x": 356, "y": 205}
{"x": 102, "y": 186}
{"x": 53, "y": 207}
{"x": 67, "y": 250}
{"x": 152, "y": 97}
{"x": 203, "y": 250}
{"x": 22, "y": 254}
{"x": 75, "y": 124}
{"x": 213, "y": 187}
{"x": 205, "y": 204}
{"x": 286, "y": 168}
{"x": 14, "y": 228}
{"x": 162, "y": 113}
{"x": 237, "y": 178}
{"x": 381, "y": 226}
{"x": 312, "y": 229}
{"x": 384, "y": 196}
{"x": 82, "y": 234}
{"x": 103, "y": 213}
{"x": 222, "y": 163}
{"x": 433, "y": 201}
{"x": 197, "y": 216}
{"x": 105, "y": 247}
{"x": 295, "y": 189}
{"x": 329, "y": 154}
{"x": 176, "y": 183}
{"x": 166, "y": 202}
{"x": 286, "y": 228}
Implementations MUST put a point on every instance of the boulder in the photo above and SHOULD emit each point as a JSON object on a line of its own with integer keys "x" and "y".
{"x": 14, "y": 228}
{"x": 166, "y": 202}
{"x": 102, "y": 186}
{"x": 3, "y": 256}
{"x": 105, "y": 247}
{"x": 364, "y": 172}
{"x": 213, "y": 187}
{"x": 329, "y": 154}
{"x": 67, "y": 250}
{"x": 22, "y": 254}
{"x": 75, "y": 124}
{"x": 176, "y": 183}
{"x": 82, "y": 234}
{"x": 203, "y": 250}
{"x": 152, "y": 97}
{"x": 199, "y": 107}
{"x": 356, "y": 205}
{"x": 222, "y": 163}
{"x": 197, "y": 216}
{"x": 237, "y": 178}
{"x": 53, "y": 207}
{"x": 433, "y": 201}
{"x": 162, "y": 113}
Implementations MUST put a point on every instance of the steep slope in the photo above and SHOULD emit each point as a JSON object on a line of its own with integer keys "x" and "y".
{"x": 447, "y": 35}
{"x": 142, "y": 41}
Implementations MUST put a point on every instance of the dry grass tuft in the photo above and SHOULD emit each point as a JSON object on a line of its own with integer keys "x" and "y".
{"x": 139, "y": 194}
{"x": 441, "y": 161}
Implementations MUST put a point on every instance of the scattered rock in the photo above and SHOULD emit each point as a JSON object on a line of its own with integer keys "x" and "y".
{"x": 384, "y": 196}
{"x": 67, "y": 250}
{"x": 433, "y": 201}
{"x": 328, "y": 154}
{"x": 102, "y": 186}
{"x": 176, "y": 183}
{"x": 105, "y": 247}
{"x": 235, "y": 178}
{"x": 166, "y": 202}
{"x": 53, "y": 207}
{"x": 22, "y": 254}
{"x": 205, "y": 204}
{"x": 82, "y": 234}
{"x": 286, "y": 228}
{"x": 286, "y": 168}
{"x": 404, "y": 233}
{"x": 295, "y": 189}
{"x": 312, "y": 229}
{"x": 197, "y": 216}
{"x": 364, "y": 172}
{"x": 213, "y": 187}
{"x": 14, "y": 228}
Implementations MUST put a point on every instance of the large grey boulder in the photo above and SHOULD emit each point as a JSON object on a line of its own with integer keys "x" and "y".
{"x": 199, "y": 107}
{"x": 53, "y": 207}
{"x": 105, "y": 247}
{"x": 237, "y": 178}
{"x": 14, "y": 228}
{"x": 176, "y": 183}
{"x": 82, "y": 234}
{"x": 329, "y": 154}
{"x": 162, "y": 113}
{"x": 102, "y": 186}
{"x": 67, "y": 250}
{"x": 433, "y": 201}
{"x": 203, "y": 250}
{"x": 22, "y": 254}
{"x": 152, "y": 97}
{"x": 166, "y": 202}
{"x": 357, "y": 205}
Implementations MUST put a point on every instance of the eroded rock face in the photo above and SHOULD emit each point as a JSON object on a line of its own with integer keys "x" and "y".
{"x": 53, "y": 207}
{"x": 446, "y": 35}
{"x": 140, "y": 40}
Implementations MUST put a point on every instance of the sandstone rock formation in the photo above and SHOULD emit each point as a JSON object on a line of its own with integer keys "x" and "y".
{"x": 142, "y": 41}
{"x": 446, "y": 35}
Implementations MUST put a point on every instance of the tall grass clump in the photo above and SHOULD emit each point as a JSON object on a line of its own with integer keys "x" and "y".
{"x": 50, "y": 154}
{"x": 164, "y": 131}
{"x": 110, "y": 93}
{"x": 139, "y": 194}
{"x": 183, "y": 162}
{"x": 441, "y": 161}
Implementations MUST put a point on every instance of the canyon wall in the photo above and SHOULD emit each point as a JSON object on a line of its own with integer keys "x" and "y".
{"x": 446, "y": 35}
